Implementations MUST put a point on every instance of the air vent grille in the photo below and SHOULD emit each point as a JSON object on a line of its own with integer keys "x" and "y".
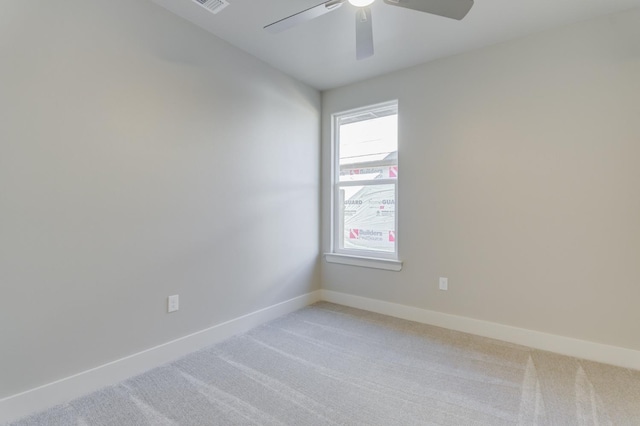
{"x": 213, "y": 6}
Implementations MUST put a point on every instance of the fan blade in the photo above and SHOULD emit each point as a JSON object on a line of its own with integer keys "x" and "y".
{"x": 305, "y": 15}
{"x": 364, "y": 33}
{"x": 455, "y": 9}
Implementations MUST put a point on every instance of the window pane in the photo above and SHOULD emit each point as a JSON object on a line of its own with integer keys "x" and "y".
{"x": 368, "y": 148}
{"x": 365, "y": 185}
{"x": 368, "y": 217}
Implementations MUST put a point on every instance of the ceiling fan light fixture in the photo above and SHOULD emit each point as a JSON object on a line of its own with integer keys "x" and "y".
{"x": 361, "y": 3}
{"x": 454, "y": 9}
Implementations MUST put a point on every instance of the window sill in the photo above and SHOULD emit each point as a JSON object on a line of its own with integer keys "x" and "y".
{"x": 365, "y": 262}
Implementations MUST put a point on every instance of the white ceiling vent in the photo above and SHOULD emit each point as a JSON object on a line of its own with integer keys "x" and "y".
{"x": 213, "y": 6}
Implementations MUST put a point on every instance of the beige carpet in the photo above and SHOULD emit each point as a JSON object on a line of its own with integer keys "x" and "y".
{"x": 332, "y": 365}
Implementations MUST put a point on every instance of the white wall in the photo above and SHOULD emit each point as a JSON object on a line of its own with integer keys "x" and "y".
{"x": 519, "y": 182}
{"x": 142, "y": 157}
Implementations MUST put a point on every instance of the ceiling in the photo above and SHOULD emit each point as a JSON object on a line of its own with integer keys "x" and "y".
{"x": 321, "y": 52}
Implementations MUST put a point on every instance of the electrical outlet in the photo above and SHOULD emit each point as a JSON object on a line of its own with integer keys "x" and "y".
{"x": 444, "y": 283}
{"x": 173, "y": 303}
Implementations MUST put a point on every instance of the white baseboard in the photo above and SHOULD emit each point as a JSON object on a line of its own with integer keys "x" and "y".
{"x": 613, "y": 355}
{"x": 60, "y": 391}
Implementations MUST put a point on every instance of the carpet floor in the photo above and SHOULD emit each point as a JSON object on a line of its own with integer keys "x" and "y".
{"x": 332, "y": 365}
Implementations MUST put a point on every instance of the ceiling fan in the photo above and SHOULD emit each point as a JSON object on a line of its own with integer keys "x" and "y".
{"x": 455, "y": 9}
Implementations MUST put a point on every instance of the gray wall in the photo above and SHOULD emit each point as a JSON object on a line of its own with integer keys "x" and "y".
{"x": 519, "y": 182}
{"x": 142, "y": 157}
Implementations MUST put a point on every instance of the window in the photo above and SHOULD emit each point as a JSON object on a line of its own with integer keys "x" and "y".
{"x": 365, "y": 183}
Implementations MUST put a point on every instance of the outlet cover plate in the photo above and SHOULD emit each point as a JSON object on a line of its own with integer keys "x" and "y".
{"x": 444, "y": 283}
{"x": 173, "y": 303}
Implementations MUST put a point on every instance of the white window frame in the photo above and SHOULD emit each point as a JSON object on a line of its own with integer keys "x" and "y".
{"x": 358, "y": 257}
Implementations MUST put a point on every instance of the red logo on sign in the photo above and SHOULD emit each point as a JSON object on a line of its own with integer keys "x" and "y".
{"x": 392, "y": 236}
{"x": 354, "y": 234}
{"x": 393, "y": 171}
